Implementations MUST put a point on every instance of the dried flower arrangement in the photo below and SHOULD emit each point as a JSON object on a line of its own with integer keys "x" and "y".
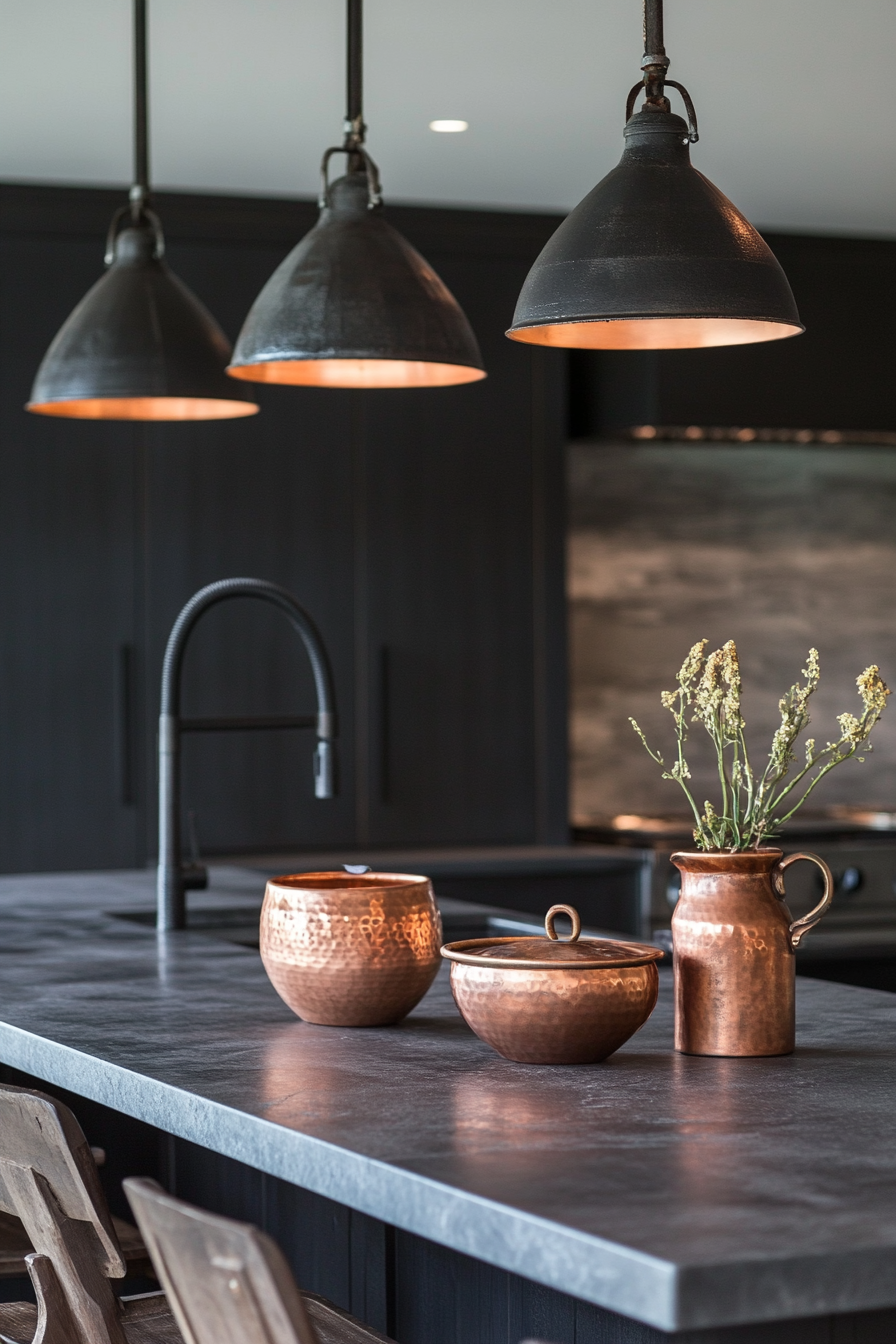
{"x": 752, "y": 804}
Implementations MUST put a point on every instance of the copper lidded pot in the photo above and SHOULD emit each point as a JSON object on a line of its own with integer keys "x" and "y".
{"x": 733, "y": 943}
{"x": 350, "y": 949}
{"x": 549, "y": 1001}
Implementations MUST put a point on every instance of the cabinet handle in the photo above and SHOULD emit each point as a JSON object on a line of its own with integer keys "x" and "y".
{"x": 125, "y": 678}
{"x": 384, "y": 698}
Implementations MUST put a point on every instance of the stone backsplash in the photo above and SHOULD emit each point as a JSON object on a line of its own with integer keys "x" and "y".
{"x": 776, "y": 547}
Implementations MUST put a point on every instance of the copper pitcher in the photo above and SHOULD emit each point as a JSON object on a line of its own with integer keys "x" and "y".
{"x": 733, "y": 943}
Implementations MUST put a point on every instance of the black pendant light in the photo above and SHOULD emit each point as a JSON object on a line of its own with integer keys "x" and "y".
{"x": 354, "y": 305}
{"x": 655, "y": 257}
{"x": 139, "y": 345}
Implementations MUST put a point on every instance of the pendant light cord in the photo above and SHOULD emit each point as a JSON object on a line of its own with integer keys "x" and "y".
{"x": 655, "y": 63}
{"x": 140, "y": 189}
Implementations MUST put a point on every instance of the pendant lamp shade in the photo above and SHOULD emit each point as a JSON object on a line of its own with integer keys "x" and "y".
{"x": 655, "y": 257}
{"x": 139, "y": 345}
{"x": 354, "y": 305}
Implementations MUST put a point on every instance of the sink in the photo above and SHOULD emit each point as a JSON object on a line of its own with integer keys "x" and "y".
{"x": 460, "y": 919}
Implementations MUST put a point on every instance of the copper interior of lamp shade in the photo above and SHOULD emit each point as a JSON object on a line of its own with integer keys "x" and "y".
{"x": 356, "y": 373}
{"x": 145, "y": 408}
{"x": 655, "y": 333}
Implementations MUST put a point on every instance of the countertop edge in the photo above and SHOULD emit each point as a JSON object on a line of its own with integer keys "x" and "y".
{"x": 615, "y": 1277}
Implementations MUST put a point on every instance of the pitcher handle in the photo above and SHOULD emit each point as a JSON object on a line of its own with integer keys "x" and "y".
{"x": 802, "y": 926}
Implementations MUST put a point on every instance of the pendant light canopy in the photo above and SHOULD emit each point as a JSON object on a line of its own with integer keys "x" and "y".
{"x": 354, "y": 305}
{"x": 655, "y": 257}
{"x": 139, "y": 345}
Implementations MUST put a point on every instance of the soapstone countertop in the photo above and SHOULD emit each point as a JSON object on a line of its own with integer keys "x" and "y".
{"x": 682, "y": 1192}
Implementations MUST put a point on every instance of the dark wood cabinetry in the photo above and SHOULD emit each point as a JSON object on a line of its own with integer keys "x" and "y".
{"x": 423, "y": 531}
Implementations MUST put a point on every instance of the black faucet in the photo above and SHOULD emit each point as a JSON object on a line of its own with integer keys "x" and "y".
{"x": 173, "y": 877}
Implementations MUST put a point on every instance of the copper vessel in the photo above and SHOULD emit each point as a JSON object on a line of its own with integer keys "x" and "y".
{"x": 733, "y": 945}
{"x": 554, "y": 1002}
{"x": 350, "y": 950}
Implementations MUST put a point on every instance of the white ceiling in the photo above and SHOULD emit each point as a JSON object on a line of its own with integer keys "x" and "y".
{"x": 792, "y": 97}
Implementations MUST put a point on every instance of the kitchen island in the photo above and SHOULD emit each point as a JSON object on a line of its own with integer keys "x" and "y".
{"x": 446, "y": 1194}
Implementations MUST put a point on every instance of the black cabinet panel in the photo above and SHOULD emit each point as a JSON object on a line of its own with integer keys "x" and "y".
{"x": 422, "y": 531}
{"x": 67, "y": 594}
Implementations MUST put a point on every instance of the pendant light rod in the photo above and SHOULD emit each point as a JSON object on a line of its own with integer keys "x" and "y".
{"x": 140, "y": 189}
{"x": 655, "y": 62}
{"x": 354, "y": 117}
{"x": 653, "y": 31}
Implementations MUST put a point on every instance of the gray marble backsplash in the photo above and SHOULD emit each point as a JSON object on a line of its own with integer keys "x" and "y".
{"x": 777, "y": 547}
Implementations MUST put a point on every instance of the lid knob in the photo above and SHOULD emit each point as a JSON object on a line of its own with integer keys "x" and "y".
{"x": 552, "y": 914}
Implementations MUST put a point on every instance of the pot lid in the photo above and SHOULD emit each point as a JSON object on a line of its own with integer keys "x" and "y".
{"x": 553, "y": 954}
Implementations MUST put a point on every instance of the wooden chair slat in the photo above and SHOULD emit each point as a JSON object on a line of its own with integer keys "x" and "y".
{"x": 14, "y": 1246}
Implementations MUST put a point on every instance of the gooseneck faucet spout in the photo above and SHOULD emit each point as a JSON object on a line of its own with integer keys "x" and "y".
{"x": 171, "y": 882}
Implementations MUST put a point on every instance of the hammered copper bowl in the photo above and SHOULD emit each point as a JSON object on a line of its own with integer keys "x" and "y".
{"x": 551, "y": 1002}
{"x": 350, "y": 950}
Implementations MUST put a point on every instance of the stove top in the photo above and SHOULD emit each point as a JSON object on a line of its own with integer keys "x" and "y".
{"x": 670, "y": 830}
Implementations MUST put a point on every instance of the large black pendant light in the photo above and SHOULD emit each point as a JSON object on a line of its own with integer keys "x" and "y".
{"x": 139, "y": 345}
{"x": 655, "y": 257}
{"x": 354, "y": 305}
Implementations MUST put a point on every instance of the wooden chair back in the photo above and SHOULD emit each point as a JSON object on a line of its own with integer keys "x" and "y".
{"x": 41, "y": 1134}
{"x": 226, "y": 1282}
{"x": 48, "y": 1179}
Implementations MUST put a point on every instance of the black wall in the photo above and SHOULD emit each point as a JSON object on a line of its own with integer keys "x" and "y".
{"x": 423, "y": 530}
{"x": 837, "y": 375}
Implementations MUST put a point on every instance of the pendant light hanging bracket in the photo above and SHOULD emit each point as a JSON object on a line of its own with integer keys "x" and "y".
{"x": 693, "y": 131}
{"x": 147, "y": 217}
{"x": 374, "y": 190}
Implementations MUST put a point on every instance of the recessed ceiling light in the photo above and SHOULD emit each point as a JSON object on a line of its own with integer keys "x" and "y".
{"x": 449, "y": 126}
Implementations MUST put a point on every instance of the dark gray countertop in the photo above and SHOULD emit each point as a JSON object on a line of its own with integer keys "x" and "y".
{"x": 680, "y": 1191}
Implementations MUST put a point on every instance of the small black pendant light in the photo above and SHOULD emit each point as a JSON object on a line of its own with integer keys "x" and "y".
{"x": 655, "y": 257}
{"x": 139, "y": 345}
{"x": 354, "y": 305}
